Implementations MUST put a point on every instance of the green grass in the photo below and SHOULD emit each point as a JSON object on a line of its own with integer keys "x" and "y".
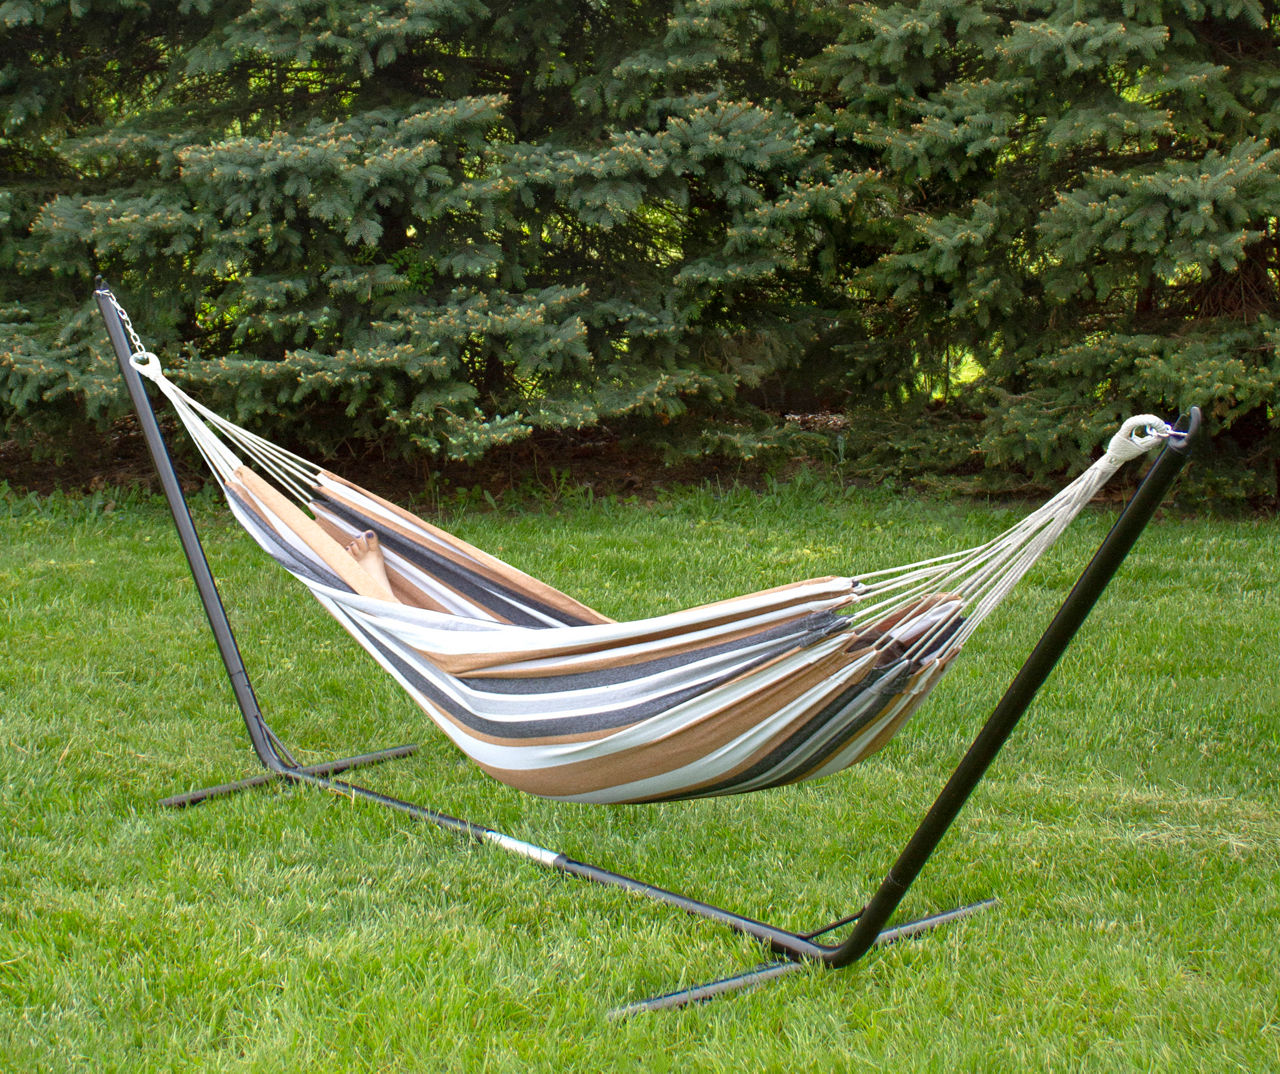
{"x": 1130, "y": 829}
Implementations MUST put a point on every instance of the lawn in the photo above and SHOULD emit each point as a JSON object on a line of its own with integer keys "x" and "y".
{"x": 1130, "y": 829}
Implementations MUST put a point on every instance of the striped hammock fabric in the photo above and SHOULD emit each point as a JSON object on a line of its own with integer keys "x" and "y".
{"x": 558, "y": 700}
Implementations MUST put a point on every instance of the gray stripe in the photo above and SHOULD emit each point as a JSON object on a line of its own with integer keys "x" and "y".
{"x": 805, "y": 631}
{"x": 837, "y": 722}
{"x": 499, "y": 599}
{"x": 408, "y": 664}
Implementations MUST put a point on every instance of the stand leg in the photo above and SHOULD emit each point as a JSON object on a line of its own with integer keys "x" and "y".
{"x": 768, "y": 971}
{"x": 274, "y": 757}
{"x": 325, "y": 768}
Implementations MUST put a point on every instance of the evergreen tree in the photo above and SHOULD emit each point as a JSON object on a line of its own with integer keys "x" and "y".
{"x": 438, "y": 225}
{"x": 1085, "y": 195}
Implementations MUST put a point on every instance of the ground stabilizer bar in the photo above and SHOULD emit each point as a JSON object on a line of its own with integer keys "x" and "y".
{"x": 769, "y": 971}
{"x": 324, "y": 768}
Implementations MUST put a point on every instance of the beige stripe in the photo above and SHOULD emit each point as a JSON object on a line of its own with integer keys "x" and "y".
{"x": 405, "y": 591}
{"x": 679, "y": 748}
{"x": 592, "y": 736}
{"x": 608, "y": 657}
{"x": 882, "y": 737}
{"x": 891, "y": 728}
{"x": 327, "y": 550}
{"x": 936, "y": 668}
{"x": 908, "y": 611}
{"x": 886, "y": 733}
{"x": 776, "y": 740}
{"x": 779, "y": 590}
{"x": 461, "y": 562}
{"x": 507, "y": 740}
{"x": 475, "y": 559}
{"x": 470, "y": 663}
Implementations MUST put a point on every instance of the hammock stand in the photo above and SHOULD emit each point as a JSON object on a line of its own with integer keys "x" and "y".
{"x": 870, "y": 926}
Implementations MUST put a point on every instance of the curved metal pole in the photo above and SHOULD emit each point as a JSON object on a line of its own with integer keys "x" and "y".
{"x": 259, "y": 734}
{"x": 1021, "y": 691}
{"x": 869, "y": 930}
{"x": 271, "y": 752}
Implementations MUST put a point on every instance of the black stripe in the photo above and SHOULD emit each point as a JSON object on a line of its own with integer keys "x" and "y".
{"x": 885, "y": 678}
{"x": 811, "y": 628}
{"x": 878, "y": 680}
{"x": 568, "y": 725}
{"x": 501, "y": 600}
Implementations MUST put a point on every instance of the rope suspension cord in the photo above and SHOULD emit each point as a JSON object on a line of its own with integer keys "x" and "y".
{"x": 549, "y": 695}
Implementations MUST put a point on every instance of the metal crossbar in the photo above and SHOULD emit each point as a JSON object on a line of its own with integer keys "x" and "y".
{"x": 870, "y": 925}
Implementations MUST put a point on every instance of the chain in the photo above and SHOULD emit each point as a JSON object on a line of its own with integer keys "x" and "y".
{"x": 134, "y": 338}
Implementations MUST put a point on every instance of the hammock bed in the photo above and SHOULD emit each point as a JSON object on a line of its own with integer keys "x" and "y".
{"x": 556, "y": 699}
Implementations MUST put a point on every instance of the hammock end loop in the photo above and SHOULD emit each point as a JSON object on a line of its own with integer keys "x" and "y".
{"x": 144, "y": 361}
{"x": 1136, "y": 437}
{"x": 147, "y": 363}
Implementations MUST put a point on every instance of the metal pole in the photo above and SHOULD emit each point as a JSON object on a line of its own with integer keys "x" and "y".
{"x": 324, "y": 768}
{"x": 769, "y": 971}
{"x": 270, "y": 752}
{"x": 1021, "y": 691}
{"x": 191, "y": 547}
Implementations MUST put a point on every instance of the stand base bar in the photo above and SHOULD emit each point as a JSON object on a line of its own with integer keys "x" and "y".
{"x": 768, "y": 971}
{"x": 779, "y": 940}
{"x": 797, "y": 946}
{"x": 325, "y": 768}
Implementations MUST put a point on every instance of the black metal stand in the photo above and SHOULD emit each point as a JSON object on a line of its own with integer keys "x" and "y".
{"x": 271, "y": 752}
{"x": 869, "y": 924}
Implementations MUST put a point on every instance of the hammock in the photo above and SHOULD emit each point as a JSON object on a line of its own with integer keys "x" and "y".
{"x": 552, "y": 697}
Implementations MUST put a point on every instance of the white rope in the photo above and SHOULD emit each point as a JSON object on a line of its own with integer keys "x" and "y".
{"x": 1127, "y": 444}
{"x": 289, "y": 471}
{"x": 984, "y": 575}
